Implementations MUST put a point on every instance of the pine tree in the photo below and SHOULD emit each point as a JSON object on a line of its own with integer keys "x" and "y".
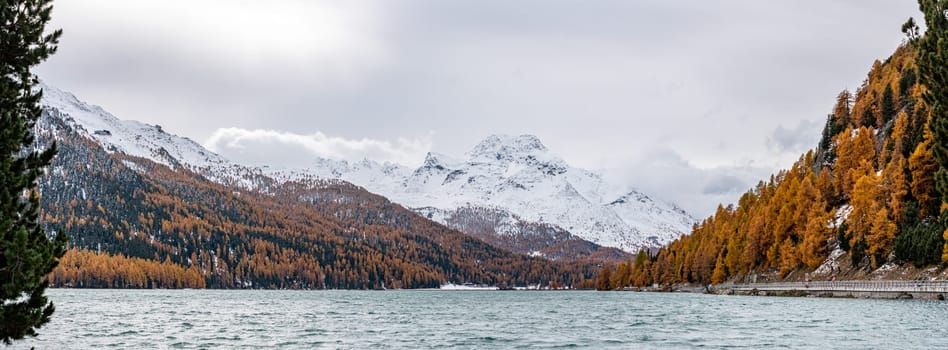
{"x": 27, "y": 254}
{"x": 888, "y": 105}
{"x": 898, "y": 138}
{"x": 815, "y": 217}
{"x": 852, "y": 149}
{"x": 641, "y": 269}
{"x": 910, "y": 29}
{"x": 605, "y": 279}
{"x": 623, "y": 275}
{"x": 843, "y": 109}
{"x": 896, "y": 184}
{"x": 923, "y": 166}
{"x": 826, "y": 149}
{"x": 932, "y": 56}
{"x": 866, "y": 206}
{"x": 719, "y": 275}
{"x": 789, "y": 257}
{"x": 906, "y": 87}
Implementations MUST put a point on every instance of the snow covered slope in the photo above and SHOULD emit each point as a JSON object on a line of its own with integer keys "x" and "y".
{"x": 520, "y": 175}
{"x": 145, "y": 141}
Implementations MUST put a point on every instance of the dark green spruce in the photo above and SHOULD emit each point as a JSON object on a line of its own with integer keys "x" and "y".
{"x": 27, "y": 254}
{"x": 888, "y": 106}
{"x": 933, "y": 70}
{"x": 933, "y": 73}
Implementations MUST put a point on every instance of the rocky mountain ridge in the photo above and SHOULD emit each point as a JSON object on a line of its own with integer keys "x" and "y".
{"x": 520, "y": 176}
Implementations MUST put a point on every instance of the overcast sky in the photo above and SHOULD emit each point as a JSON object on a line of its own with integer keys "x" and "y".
{"x": 693, "y": 101}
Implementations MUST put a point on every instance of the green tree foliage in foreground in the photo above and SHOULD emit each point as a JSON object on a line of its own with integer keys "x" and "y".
{"x": 27, "y": 255}
{"x": 920, "y": 242}
{"x": 933, "y": 71}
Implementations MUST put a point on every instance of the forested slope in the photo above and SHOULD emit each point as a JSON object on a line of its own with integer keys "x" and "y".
{"x": 868, "y": 191}
{"x": 135, "y": 223}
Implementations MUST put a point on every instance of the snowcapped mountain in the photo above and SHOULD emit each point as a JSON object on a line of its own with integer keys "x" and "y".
{"x": 146, "y": 141}
{"x": 140, "y": 142}
{"x": 519, "y": 175}
{"x": 135, "y": 199}
{"x": 511, "y": 189}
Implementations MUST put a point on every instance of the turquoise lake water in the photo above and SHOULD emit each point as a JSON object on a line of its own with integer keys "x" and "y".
{"x": 213, "y": 319}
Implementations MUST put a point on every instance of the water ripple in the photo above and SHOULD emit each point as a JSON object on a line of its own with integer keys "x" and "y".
{"x": 202, "y": 319}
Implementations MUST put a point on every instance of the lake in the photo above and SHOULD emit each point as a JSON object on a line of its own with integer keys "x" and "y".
{"x": 220, "y": 319}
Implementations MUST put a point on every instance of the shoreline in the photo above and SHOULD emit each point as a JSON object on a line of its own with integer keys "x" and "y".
{"x": 855, "y": 289}
{"x": 837, "y": 295}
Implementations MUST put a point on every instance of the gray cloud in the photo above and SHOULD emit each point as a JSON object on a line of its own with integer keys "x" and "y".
{"x": 796, "y": 140}
{"x": 599, "y": 82}
{"x": 724, "y": 184}
{"x": 665, "y": 172}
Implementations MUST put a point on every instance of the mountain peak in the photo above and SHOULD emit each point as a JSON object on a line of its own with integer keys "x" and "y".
{"x": 437, "y": 160}
{"x": 500, "y": 146}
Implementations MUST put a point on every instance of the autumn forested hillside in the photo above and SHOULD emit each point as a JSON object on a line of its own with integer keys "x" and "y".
{"x": 867, "y": 191}
{"x": 135, "y": 223}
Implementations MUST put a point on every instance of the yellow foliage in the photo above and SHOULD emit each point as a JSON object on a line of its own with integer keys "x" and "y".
{"x": 880, "y": 237}
{"x": 923, "y": 166}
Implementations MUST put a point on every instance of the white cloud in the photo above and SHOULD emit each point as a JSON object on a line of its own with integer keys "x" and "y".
{"x": 286, "y": 149}
{"x": 175, "y": 42}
